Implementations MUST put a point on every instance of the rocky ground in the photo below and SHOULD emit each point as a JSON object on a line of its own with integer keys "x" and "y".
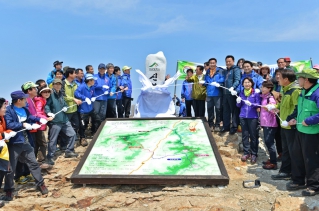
{"x": 64, "y": 195}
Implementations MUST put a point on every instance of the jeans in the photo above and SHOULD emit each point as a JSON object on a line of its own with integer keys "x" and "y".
{"x": 100, "y": 108}
{"x": 95, "y": 119}
{"x": 287, "y": 141}
{"x": 189, "y": 105}
{"x": 248, "y": 127}
{"x": 305, "y": 163}
{"x": 67, "y": 133}
{"x": 120, "y": 110}
{"x": 25, "y": 153}
{"x": 213, "y": 102}
{"x": 269, "y": 139}
{"x": 111, "y": 108}
{"x": 199, "y": 108}
{"x": 74, "y": 119}
{"x": 230, "y": 112}
{"x": 127, "y": 106}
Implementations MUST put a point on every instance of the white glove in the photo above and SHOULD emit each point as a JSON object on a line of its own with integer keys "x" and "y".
{"x": 106, "y": 86}
{"x": 35, "y": 126}
{"x": 7, "y": 136}
{"x": 64, "y": 109}
{"x": 238, "y": 100}
{"x": 233, "y": 92}
{"x": 257, "y": 91}
{"x": 51, "y": 115}
{"x": 247, "y": 102}
{"x": 88, "y": 101}
{"x": 231, "y": 89}
{"x": 27, "y": 126}
{"x": 13, "y": 134}
{"x": 201, "y": 82}
{"x": 111, "y": 94}
{"x": 106, "y": 92}
{"x": 215, "y": 84}
{"x": 270, "y": 107}
{"x": 43, "y": 121}
{"x": 284, "y": 123}
{"x": 2, "y": 143}
{"x": 93, "y": 99}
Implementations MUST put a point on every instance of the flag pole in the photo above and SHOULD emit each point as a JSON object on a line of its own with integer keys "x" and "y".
{"x": 175, "y": 80}
{"x": 311, "y": 62}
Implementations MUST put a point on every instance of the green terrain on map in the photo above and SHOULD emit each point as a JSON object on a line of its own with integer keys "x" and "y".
{"x": 152, "y": 147}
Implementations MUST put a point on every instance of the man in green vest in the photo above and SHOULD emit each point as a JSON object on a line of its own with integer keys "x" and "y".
{"x": 305, "y": 164}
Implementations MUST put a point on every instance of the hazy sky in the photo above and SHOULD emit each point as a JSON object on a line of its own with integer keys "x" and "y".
{"x": 34, "y": 33}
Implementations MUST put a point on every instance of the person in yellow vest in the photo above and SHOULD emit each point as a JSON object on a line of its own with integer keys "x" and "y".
{"x": 305, "y": 163}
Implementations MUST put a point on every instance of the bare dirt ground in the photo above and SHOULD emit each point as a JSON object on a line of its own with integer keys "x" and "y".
{"x": 64, "y": 195}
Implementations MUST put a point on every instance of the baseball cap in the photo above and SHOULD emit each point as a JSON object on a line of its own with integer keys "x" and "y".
{"x": 316, "y": 66}
{"x": 57, "y": 62}
{"x": 308, "y": 73}
{"x": 89, "y": 76}
{"x": 109, "y": 65}
{"x": 101, "y": 66}
{"x": 28, "y": 85}
{"x": 287, "y": 59}
{"x": 43, "y": 89}
{"x": 57, "y": 80}
{"x": 126, "y": 68}
{"x": 18, "y": 95}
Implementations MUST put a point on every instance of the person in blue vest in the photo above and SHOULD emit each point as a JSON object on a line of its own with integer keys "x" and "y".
{"x": 119, "y": 91}
{"x": 57, "y": 66}
{"x": 186, "y": 93}
{"x": 213, "y": 75}
{"x": 101, "y": 85}
{"x": 305, "y": 160}
{"x": 111, "y": 98}
{"x": 127, "y": 94}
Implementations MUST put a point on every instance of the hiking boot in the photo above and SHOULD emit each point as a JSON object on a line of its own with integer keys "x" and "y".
{"x": 50, "y": 161}
{"x": 309, "y": 192}
{"x": 43, "y": 189}
{"x": 22, "y": 180}
{"x": 293, "y": 186}
{"x": 45, "y": 166}
{"x": 281, "y": 176}
{"x": 63, "y": 148}
{"x": 1, "y": 204}
{"x": 253, "y": 159}
{"x": 217, "y": 128}
{"x": 244, "y": 158}
{"x": 7, "y": 197}
{"x": 224, "y": 130}
{"x": 83, "y": 142}
{"x": 270, "y": 166}
{"x": 30, "y": 178}
{"x": 266, "y": 162}
{"x": 232, "y": 131}
{"x": 69, "y": 154}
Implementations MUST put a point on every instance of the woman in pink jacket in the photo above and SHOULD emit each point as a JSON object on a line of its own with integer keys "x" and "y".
{"x": 40, "y": 101}
{"x": 268, "y": 123}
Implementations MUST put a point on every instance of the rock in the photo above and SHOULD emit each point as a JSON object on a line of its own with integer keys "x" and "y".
{"x": 172, "y": 189}
{"x": 237, "y": 168}
{"x": 289, "y": 204}
{"x": 130, "y": 201}
{"x": 227, "y": 151}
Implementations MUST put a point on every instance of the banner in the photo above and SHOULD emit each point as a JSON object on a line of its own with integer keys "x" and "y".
{"x": 183, "y": 66}
{"x": 297, "y": 66}
{"x": 155, "y": 68}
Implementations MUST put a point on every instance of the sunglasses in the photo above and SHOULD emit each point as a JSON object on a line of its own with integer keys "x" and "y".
{"x": 46, "y": 92}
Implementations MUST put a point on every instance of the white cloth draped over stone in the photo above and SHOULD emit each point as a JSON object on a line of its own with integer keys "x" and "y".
{"x": 155, "y": 101}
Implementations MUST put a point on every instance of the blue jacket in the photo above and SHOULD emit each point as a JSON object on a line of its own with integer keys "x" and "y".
{"x": 82, "y": 92}
{"x": 100, "y": 81}
{"x": 187, "y": 89}
{"x": 118, "y": 84}
{"x": 126, "y": 81}
{"x": 232, "y": 78}
{"x": 213, "y": 91}
{"x": 79, "y": 82}
{"x": 182, "y": 109}
{"x": 258, "y": 80}
{"x": 249, "y": 111}
{"x": 51, "y": 76}
{"x": 54, "y": 104}
{"x": 112, "y": 85}
{"x": 13, "y": 123}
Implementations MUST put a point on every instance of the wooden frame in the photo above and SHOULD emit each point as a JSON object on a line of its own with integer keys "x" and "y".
{"x": 222, "y": 179}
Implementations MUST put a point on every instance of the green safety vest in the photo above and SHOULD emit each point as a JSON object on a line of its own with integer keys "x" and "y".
{"x": 307, "y": 108}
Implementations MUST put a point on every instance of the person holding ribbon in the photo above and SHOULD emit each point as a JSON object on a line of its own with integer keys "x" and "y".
{"x": 249, "y": 102}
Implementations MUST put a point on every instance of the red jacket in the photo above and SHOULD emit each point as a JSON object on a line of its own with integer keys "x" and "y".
{"x": 39, "y": 106}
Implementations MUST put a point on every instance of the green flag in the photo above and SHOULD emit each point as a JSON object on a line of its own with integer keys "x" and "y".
{"x": 183, "y": 66}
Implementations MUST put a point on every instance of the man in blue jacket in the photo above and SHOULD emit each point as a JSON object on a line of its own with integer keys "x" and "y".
{"x": 111, "y": 104}
{"x": 127, "y": 94}
{"x": 57, "y": 66}
{"x": 213, "y": 74}
{"x": 248, "y": 72}
{"x": 230, "y": 111}
{"x": 101, "y": 85}
{"x": 119, "y": 90}
{"x": 17, "y": 118}
{"x": 85, "y": 92}
{"x": 186, "y": 93}
{"x": 60, "y": 125}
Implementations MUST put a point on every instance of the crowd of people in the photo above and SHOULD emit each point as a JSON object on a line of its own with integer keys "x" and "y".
{"x": 66, "y": 102}
{"x": 285, "y": 105}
